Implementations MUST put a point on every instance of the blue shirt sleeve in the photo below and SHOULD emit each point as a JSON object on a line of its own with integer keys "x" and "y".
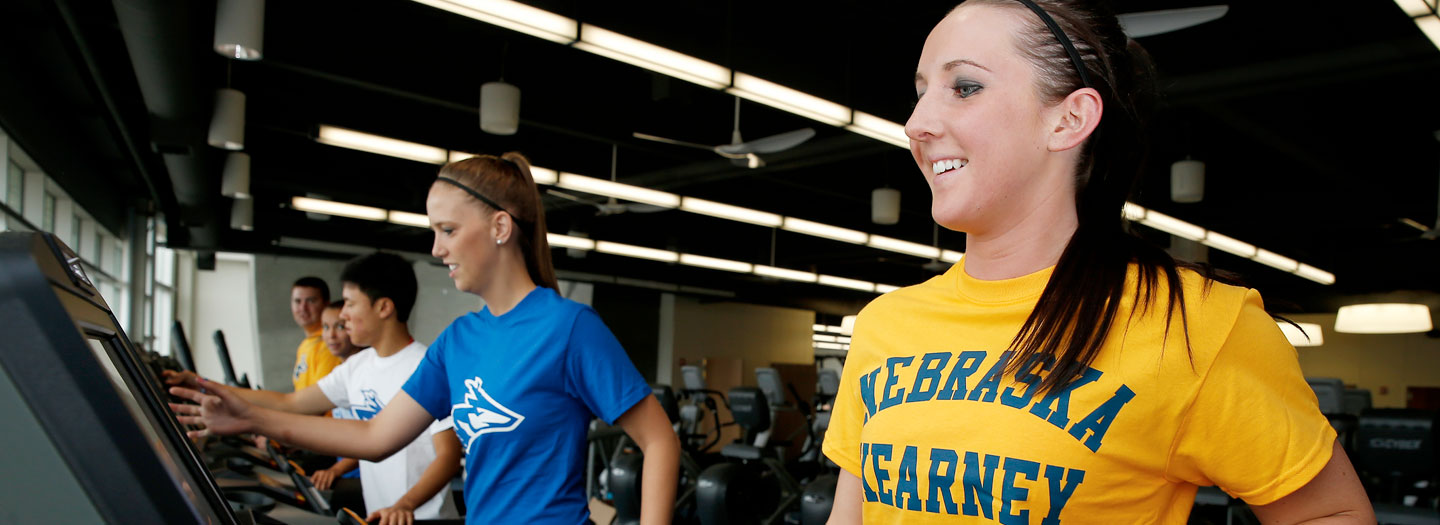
{"x": 429, "y": 384}
{"x": 597, "y": 371}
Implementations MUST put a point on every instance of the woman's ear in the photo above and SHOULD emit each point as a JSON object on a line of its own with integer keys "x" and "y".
{"x": 1075, "y": 119}
{"x": 502, "y": 225}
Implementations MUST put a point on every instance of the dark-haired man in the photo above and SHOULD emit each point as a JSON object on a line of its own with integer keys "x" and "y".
{"x": 379, "y": 291}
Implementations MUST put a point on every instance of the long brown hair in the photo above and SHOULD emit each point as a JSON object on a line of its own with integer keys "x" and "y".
{"x": 506, "y": 180}
{"x": 1077, "y": 309}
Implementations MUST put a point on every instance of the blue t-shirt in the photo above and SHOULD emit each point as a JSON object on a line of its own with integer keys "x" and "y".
{"x": 522, "y": 388}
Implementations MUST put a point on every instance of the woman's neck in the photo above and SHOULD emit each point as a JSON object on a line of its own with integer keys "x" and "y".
{"x": 1026, "y": 246}
{"x": 511, "y": 284}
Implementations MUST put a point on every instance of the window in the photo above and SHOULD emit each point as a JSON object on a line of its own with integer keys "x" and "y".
{"x": 15, "y": 188}
{"x": 117, "y": 261}
{"x": 74, "y": 231}
{"x": 99, "y": 251}
{"x": 47, "y": 213}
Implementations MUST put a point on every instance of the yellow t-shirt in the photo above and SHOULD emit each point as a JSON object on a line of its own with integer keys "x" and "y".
{"x": 935, "y": 437}
{"x": 313, "y": 361}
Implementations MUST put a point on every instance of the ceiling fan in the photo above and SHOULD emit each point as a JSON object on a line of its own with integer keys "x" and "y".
{"x": 740, "y": 152}
{"x": 1147, "y": 23}
{"x": 612, "y": 206}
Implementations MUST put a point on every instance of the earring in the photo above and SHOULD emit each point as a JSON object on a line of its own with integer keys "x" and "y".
{"x": 499, "y": 242}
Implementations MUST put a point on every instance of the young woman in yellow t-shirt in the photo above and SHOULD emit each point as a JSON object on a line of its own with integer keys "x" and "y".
{"x": 1063, "y": 371}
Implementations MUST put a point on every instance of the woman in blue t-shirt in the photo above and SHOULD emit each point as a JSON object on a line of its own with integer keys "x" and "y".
{"x": 522, "y": 377}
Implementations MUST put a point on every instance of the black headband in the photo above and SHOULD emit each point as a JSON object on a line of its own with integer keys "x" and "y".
{"x": 1064, "y": 40}
{"x": 477, "y": 195}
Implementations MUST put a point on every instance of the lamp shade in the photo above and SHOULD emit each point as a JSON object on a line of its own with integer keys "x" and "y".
{"x": 885, "y": 206}
{"x": 1383, "y": 318}
{"x": 235, "y": 182}
{"x": 240, "y": 28}
{"x": 227, "y": 126}
{"x": 242, "y": 214}
{"x": 499, "y": 108}
{"x": 1187, "y": 181}
{"x": 1312, "y": 335}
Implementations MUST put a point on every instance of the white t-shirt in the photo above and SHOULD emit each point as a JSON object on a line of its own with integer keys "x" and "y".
{"x": 364, "y": 384}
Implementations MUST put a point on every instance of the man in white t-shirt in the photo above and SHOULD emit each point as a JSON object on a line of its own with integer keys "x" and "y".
{"x": 379, "y": 291}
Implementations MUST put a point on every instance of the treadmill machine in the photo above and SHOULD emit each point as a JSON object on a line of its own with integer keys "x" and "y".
{"x": 88, "y": 435}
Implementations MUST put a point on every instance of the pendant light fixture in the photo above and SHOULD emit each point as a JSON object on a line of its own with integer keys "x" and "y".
{"x": 240, "y": 28}
{"x": 235, "y": 181}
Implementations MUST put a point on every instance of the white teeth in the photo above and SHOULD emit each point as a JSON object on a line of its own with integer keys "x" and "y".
{"x": 452, "y": 267}
{"x": 943, "y": 166}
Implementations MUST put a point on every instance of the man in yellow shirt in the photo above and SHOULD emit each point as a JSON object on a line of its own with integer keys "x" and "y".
{"x": 313, "y": 360}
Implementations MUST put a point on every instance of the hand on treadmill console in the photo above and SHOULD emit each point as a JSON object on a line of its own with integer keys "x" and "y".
{"x": 183, "y": 378}
{"x": 218, "y": 410}
{"x": 399, "y": 514}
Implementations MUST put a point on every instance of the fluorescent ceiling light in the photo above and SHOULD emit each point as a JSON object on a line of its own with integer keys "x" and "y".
{"x": 1134, "y": 212}
{"x": 661, "y": 60}
{"x": 1312, "y": 335}
{"x": 457, "y": 156}
{"x": 797, "y": 102}
{"x": 842, "y": 339}
{"x": 829, "y": 346}
{"x": 817, "y": 327}
{"x": 1383, "y": 318}
{"x": 828, "y": 328}
{"x": 1228, "y": 244}
{"x": 1173, "y": 226}
{"x": 885, "y": 288}
{"x": 636, "y": 251}
{"x": 824, "y": 230}
{"x": 716, "y": 264}
{"x": 514, "y": 16}
{"x": 1430, "y": 25}
{"x": 567, "y": 241}
{"x": 726, "y": 211}
{"x": 357, "y": 140}
{"x": 906, "y": 247}
{"x": 1275, "y": 260}
{"x": 618, "y": 190}
{"x": 1315, "y": 274}
{"x": 879, "y": 129}
{"x": 341, "y": 209}
{"x": 782, "y": 273}
{"x": 1414, "y": 8}
{"x": 841, "y": 282}
{"x": 951, "y": 256}
{"x": 824, "y": 338}
{"x": 544, "y": 175}
{"x": 409, "y": 219}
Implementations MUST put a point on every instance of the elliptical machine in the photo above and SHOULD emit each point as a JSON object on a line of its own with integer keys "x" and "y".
{"x": 753, "y": 486}
{"x": 628, "y": 464}
{"x": 819, "y": 495}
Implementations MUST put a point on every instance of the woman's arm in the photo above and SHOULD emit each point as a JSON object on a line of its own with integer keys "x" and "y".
{"x": 647, "y": 424}
{"x": 223, "y": 412}
{"x": 310, "y": 400}
{"x": 1335, "y": 496}
{"x": 436, "y": 477}
{"x": 845, "y": 509}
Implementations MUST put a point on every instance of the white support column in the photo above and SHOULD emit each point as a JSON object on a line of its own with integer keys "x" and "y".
{"x": 665, "y": 352}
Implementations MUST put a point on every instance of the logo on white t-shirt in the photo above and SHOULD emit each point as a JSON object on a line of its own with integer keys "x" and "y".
{"x": 481, "y": 414}
{"x": 371, "y": 407}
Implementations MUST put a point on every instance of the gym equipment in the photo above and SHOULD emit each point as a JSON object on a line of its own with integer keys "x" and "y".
{"x": 1395, "y": 454}
{"x": 753, "y": 487}
{"x": 180, "y": 347}
{"x": 223, "y": 350}
{"x": 71, "y": 384}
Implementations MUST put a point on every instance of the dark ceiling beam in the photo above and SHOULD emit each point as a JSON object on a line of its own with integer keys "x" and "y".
{"x": 161, "y": 37}
{"x": 1398, "y": 56}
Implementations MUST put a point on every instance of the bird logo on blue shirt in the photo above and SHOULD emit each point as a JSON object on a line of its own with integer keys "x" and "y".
{"x": 371, "y": 407}
{"x": 481, "y": 414}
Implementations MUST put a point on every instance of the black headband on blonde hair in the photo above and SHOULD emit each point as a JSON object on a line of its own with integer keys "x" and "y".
{"x": 482, "y": 198}
{"x": 1064, "y": 40}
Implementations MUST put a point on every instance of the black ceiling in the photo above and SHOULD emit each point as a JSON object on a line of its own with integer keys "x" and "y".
{"x": 1315, "y": 121}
